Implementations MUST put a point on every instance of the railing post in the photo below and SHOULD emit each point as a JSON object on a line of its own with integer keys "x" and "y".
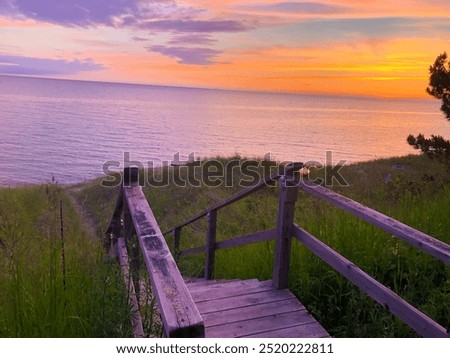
{"x": 131, "y": 176}
{"x": 211, "y": 244}
{"x": 285, "y": 229}
{"x": 114, "y": 230}
{"x": 176, "y": 243}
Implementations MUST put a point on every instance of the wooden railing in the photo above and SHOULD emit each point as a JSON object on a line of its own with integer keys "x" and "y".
{"x": 414, "y": 318}
{"x": 286, "y": 229}
{"x": 178, "y": 311}
{"x": 211, "y": 214}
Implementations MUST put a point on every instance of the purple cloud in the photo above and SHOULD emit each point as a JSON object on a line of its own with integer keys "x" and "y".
{"x": 74, "y": 12}
{"x": 186, "y": 55}
{"x": 189, "y": 32}
{"x": 158, "y": 15}
{"x": 154, "y": 16}
{"x": 296, "y": 7}
{"x": 195, "y": 26}
{"x": 198, "y": 39}
{"x": 139, "y": 38}
{"x": 21, "y": 65}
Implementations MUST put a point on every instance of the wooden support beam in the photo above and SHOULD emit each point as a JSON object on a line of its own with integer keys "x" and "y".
{"x": 211, "y": 244}
{"x": 176, "y": 242}
{"x": 193, "y": 251}
{"x": 260, "y": 236}
{"x": 288, "y": 196}
{"x": 136, "y": 320}
{"x": 129, "y": 232}
{"x": 115, "y": 226}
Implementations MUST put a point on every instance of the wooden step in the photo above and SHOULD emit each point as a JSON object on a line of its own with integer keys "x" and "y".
{"x": 251, "y": 308}
{"x": 228, "y": 289}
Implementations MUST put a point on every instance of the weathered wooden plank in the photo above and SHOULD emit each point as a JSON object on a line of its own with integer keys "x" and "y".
{"x": 422, "y": 241}
{"x": 227, "y": 305}
{"x": 286, "y": 207}
{"x": 308, "y": 330}
{"x": 243, "y": 300}
{"x": 136, "y": 320}
{"x": 259, "y": 325}
{"x": 251, "y": 312}
{"x": 194, "y": 284}
{"x": 229, "y": 288}
{"x": 260, "y": 236}
{"x": 208, "y": 293}
{"x": 210, "y": 244}
{"x": 178, "y": 311}
{"x": 414, "y": 318}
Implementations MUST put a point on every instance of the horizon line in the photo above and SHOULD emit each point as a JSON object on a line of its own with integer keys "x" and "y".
{"x": 187, "y": 87}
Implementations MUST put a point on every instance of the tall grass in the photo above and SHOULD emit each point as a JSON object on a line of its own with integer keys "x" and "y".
{"x": 46, "y": 292}
{"x": 411, "y": 189}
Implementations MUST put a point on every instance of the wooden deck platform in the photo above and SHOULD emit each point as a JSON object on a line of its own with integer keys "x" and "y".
{"x": 251, "y": 308}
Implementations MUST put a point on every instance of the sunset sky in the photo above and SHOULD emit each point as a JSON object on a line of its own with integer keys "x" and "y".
{"x": 376, "y": 48}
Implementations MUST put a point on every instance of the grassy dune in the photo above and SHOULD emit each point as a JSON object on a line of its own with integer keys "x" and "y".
{"x": 48, "y": 291}
{"x": 411, "y": 189}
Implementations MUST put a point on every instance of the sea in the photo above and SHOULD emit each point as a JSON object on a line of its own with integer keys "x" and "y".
{"x": 70, "y": 131}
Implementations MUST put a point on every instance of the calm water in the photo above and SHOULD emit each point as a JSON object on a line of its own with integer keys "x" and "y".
{"x": 69, "y": 129}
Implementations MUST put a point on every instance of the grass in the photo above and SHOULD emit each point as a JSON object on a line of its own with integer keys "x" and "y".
{"x": 411, "y": 189}
{"x": 48, "y": 292}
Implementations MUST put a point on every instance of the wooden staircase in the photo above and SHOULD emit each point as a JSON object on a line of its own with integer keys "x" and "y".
{"x": 251, "y": 308}
{"x": 248, "y": 308}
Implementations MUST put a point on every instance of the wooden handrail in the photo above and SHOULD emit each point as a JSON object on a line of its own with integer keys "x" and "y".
{"x": 422, "y": 241}
{"x": 413, "y": 317}
{"x": 178, "y": 311}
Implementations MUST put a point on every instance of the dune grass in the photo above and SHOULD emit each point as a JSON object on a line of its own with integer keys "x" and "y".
{"x": 411, "y": 189}
{"x": 53, "y": 283}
